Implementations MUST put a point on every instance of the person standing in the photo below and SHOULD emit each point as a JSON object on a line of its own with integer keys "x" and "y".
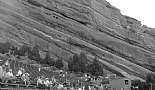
{"x": 8, "y": 76}
{"x": 1, "y": 72}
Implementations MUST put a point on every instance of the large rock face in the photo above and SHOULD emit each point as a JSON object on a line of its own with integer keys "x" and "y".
{"x": 66, "y": 27}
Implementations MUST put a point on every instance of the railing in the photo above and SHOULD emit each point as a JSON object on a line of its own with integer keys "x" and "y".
{"x": 4, "y": 85}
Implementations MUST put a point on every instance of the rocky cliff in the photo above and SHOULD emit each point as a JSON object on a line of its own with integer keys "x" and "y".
{"x": 64, "y": 27}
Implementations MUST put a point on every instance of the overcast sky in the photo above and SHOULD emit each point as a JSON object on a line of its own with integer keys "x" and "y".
{"x": 143, "y": 10}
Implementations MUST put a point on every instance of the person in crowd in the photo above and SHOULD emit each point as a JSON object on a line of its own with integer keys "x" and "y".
{"x": 46, "y": 82}
{"x": 39, "y": 81}
{"x": 51, "y": 83}
{"x": 1, "y": 73}
{"x": 86, "y": 87}
{"x": 72, "y": 88}
{"x": 79, "y": 88}
{"x": 8, "y": 76}
{"x": 7, "y": 64}
{"x": 10, "y": 73}
{"x": 53, "y": 79}
{"x": 39, "y": 69}
{"x": 26, "y": 78}
{"x": 60, "y": 86}
{"x": 20, "y": 72}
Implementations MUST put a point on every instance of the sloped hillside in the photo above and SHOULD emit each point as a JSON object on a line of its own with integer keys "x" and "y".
{"x": 66, "y": 27}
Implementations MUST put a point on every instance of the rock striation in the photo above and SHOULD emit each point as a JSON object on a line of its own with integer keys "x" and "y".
{"x": 64, "y": 27}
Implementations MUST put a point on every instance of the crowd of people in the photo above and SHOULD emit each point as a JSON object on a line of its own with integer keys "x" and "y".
{"x": 7, "y": 75}
{"x": 6, "y": 72}
{"x": 21, "y": 76}
{"x": 59, "y": 81}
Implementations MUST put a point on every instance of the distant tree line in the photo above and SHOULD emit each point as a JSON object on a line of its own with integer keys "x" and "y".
{"x": 4, "y": 47}
{"x": 32, "y": 53}
{"x": 139, "y": 85}
{"x": 79, "y": 63}
{"x": 148, "y": 85}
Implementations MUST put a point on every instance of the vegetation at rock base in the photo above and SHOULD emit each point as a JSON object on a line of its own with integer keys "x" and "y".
{"x": 4, "y": 47}
{"x": 47, "y": 60}
{"x": 58, "y": 64}
{"x": 24, "y": 50}
{"x": 79, "y": 63}
{"x": 95, "y": 68}
{"x": 150, "y": 79}
{"x": 35, "y": 53}
{"x": 150, "y": 83}
{"x": 140, "y": 85}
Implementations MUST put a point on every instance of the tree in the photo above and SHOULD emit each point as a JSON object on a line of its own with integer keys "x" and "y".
{"x": 150, "y": 78}
{"x": 23, "y": 50}
{"x": 75, "y": 59}
{"x": 12, "y": 48}
{"x": 73, "y": 65}
{"x": 83, "y": 62}
{"x": 59, "y": 64}
{"x": 5, "y": 47}
{"x": 35, "y": 53}
{"x": 70, "y": 65}
{"x": 83, "y": 57}
{"x": 78, "y": 63}
{"x": 95, "y": 68}
{"x": 15, "y": 51}
{"x": 76, "y": 67}
{"x": 48, "y": 60}
{"x": 140, "y": 85}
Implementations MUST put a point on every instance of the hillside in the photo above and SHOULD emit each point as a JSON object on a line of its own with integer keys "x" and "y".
{"x": 67, "y": 27}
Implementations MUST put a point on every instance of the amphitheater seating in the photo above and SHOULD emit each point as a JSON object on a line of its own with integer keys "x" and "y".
{"x": 32, "y": 70}
{"x": 34, "y": 73}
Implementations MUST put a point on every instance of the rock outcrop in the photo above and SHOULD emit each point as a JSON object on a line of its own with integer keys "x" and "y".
{"x": 65, "y": 27}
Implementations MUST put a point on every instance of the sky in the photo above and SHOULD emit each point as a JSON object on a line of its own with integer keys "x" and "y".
{"x": 142, "y": 10}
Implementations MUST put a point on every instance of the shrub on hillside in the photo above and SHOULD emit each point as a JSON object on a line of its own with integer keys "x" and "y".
{"x": 5, "y": 47}
{"x": 34, "y": 54}
{"x": 95, "y": 68}
{"x": 24, "y": 50}
{"x": 59, "y": 64}
{"x": 78, "y": 63}
{"x": 48, "y": 60}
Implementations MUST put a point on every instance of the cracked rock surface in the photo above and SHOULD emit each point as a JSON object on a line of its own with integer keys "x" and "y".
{"x": 123, "y": 45}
